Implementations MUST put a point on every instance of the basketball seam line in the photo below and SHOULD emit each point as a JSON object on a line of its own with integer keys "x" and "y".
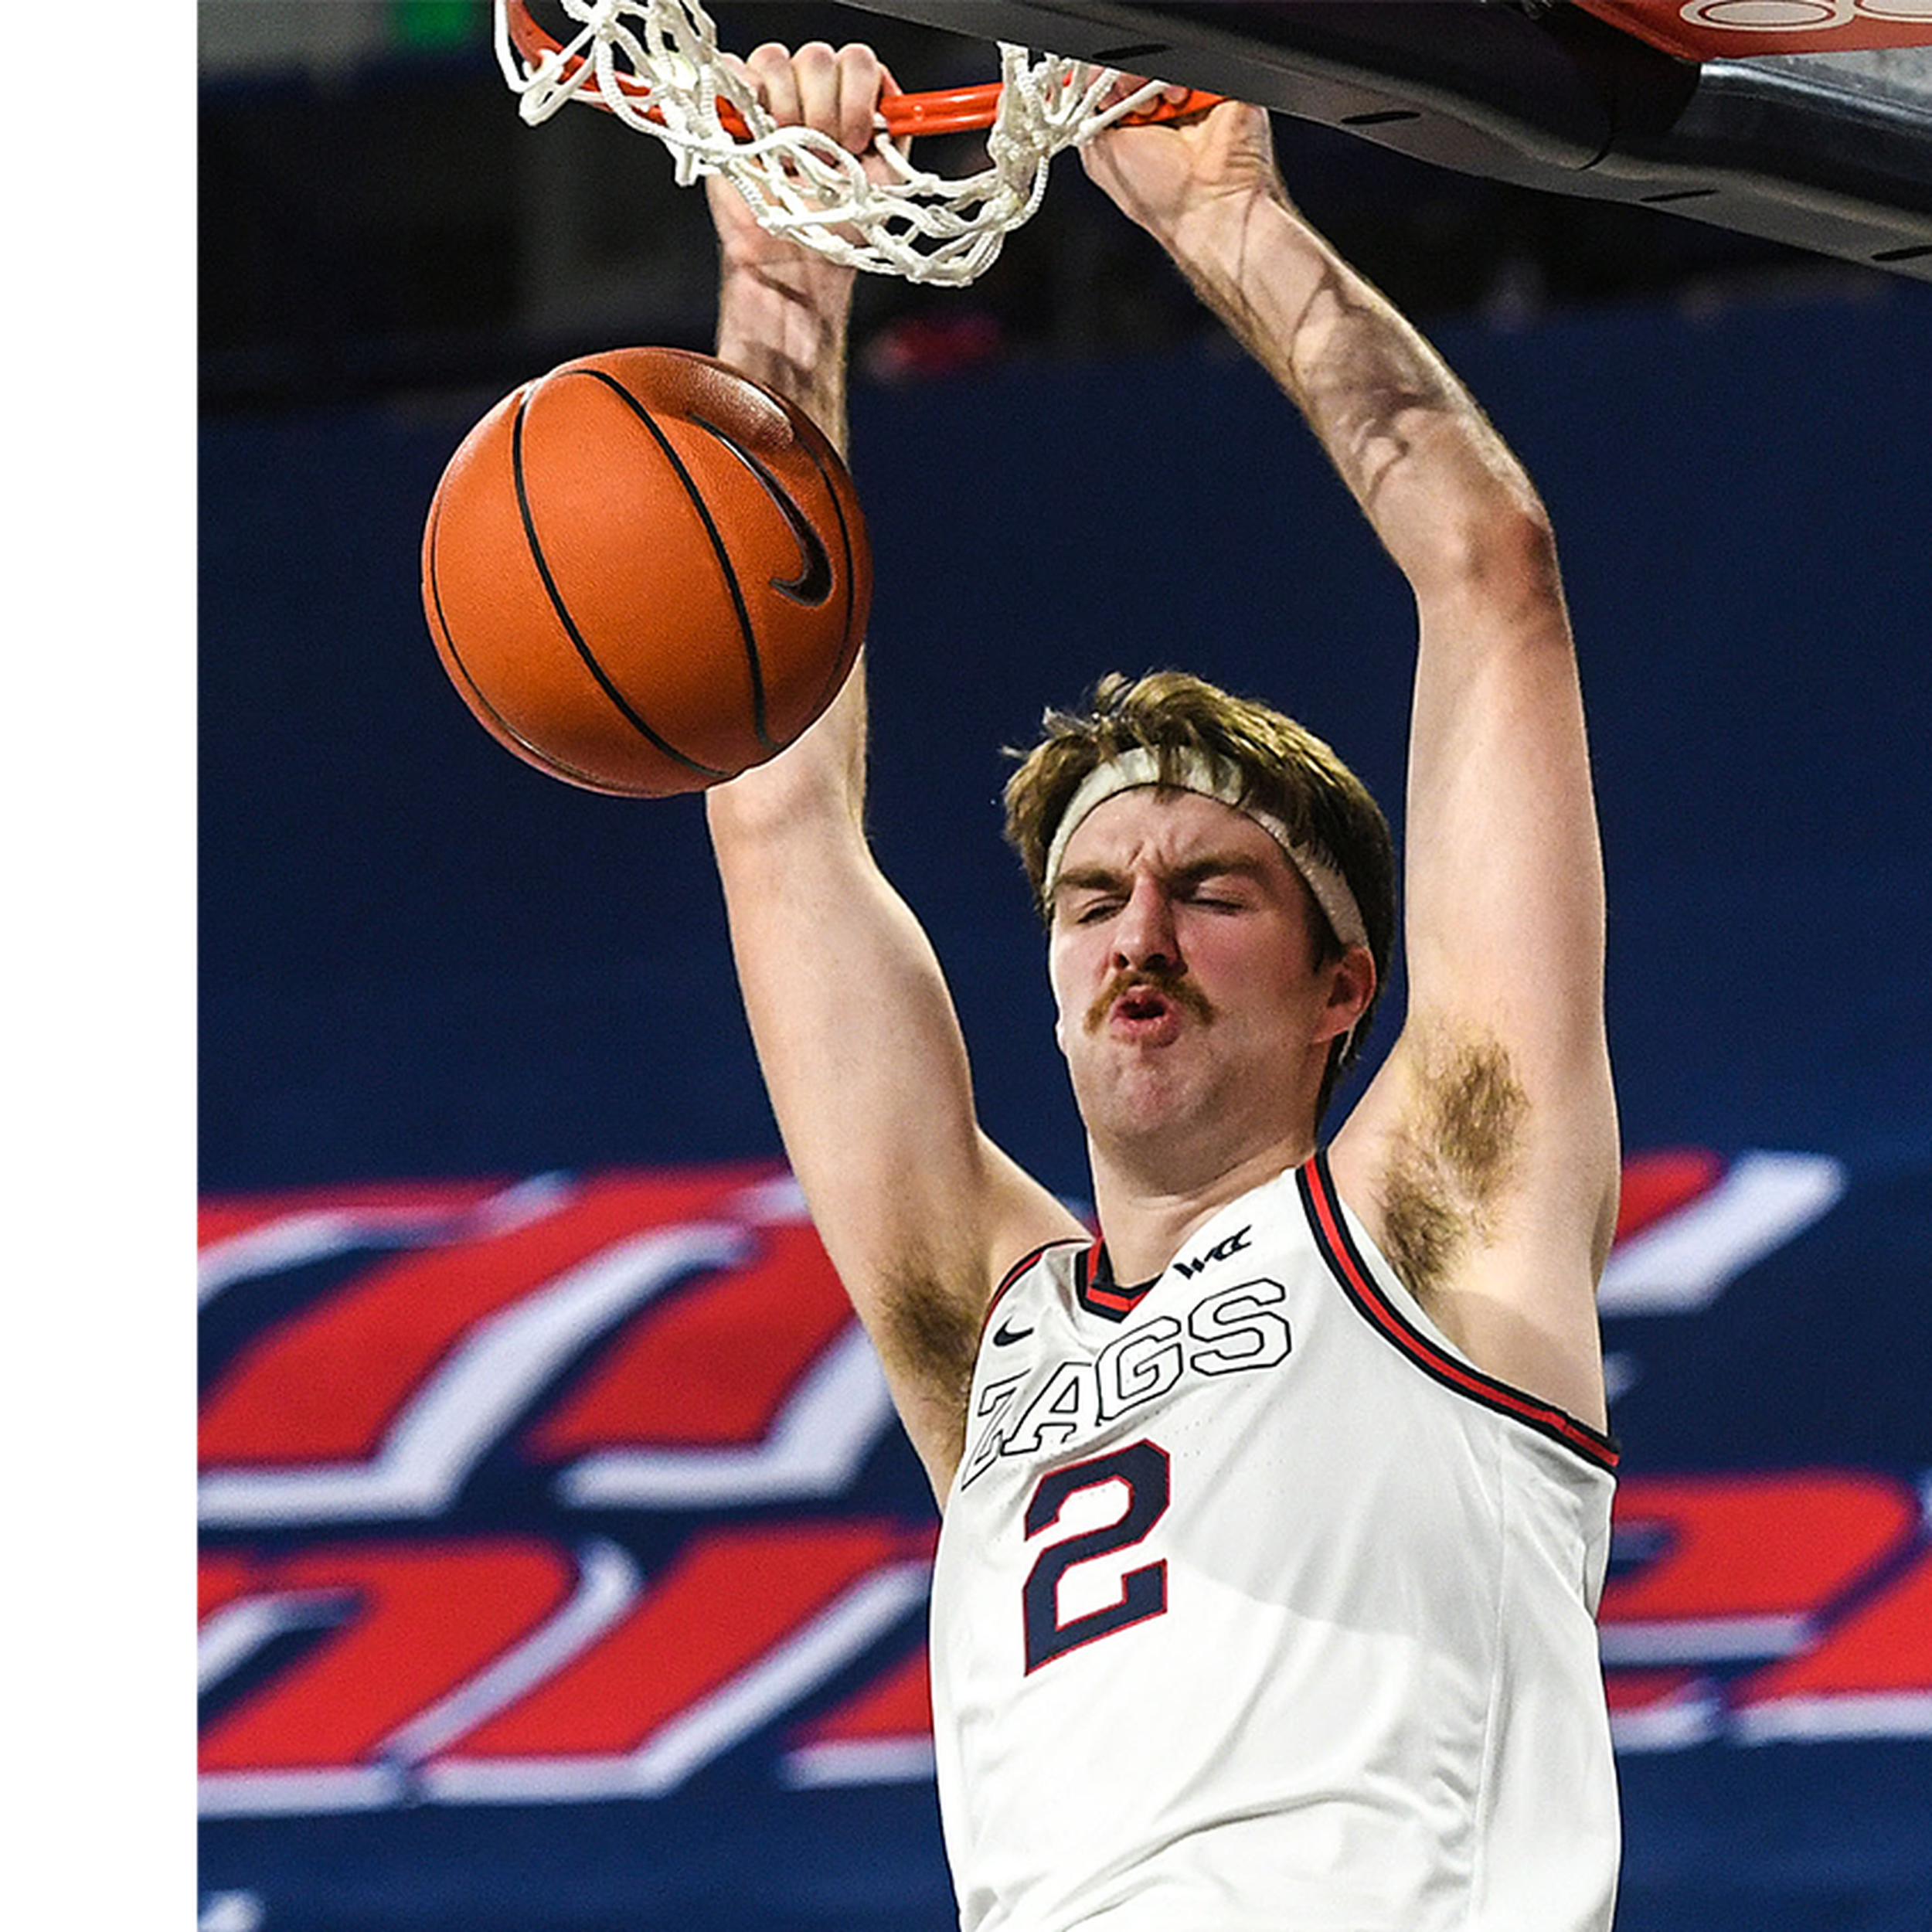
{"x": 537, "y": 752}
{"x": 754, "y": 668}
{"x": 597, "y": 670}
{"x": 812, "y": 554}
{"x": 842, "y": 666}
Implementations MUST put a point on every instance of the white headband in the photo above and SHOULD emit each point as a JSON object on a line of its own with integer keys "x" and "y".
{"x": 1194, "y": 772}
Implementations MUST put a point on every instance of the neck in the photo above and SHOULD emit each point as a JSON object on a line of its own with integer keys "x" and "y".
{"x": 1146, "y": 1220}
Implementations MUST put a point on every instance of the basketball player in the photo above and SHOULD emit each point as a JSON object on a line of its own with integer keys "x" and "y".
{"x": 1274, "y": 1519}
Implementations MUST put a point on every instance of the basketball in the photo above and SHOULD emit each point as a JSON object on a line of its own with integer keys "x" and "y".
{"x": 645, "y": 573}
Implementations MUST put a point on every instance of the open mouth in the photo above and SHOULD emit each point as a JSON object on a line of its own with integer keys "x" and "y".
{"x": 1144, "y": 1016}
{"x": 1147, "y": 1011}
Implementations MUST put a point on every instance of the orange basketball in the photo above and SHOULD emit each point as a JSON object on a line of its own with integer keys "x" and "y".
{"x": 645, "y": 573}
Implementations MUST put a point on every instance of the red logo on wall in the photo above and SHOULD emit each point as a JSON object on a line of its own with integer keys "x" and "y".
{"x": 558, "y": 1490}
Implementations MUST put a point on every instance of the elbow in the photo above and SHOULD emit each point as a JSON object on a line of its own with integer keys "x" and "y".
{"x": 1498, "y": 552}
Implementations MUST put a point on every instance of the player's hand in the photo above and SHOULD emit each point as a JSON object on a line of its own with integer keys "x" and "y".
{"x": 1178, "y": 177}
{"x": 835, "y": 91}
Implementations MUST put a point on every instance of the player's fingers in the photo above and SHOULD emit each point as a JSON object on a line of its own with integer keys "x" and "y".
{"x": 772, "y": 74}
{"x": 817, "y": 68}
{"x": 861, "y": 79}
{"x": 1170, "y": 95}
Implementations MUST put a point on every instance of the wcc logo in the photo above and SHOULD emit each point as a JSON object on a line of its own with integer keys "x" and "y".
{"x": 1190, "y": 1265}
{"x": 573, "y": 1487}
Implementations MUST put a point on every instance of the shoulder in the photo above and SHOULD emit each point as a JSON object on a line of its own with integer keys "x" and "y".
{"x": 1065, "y": 1251}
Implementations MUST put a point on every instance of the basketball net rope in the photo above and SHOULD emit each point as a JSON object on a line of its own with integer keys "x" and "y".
{"x": 655, "y": 64}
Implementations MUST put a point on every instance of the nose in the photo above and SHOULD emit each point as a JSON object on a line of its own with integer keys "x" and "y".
{"x": 1145, "y": 938}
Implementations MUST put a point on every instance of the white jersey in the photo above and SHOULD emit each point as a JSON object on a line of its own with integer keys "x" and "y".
{"x": 1258, "y": 1605}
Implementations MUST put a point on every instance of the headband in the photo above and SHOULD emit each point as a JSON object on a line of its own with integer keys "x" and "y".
{"x": 1193, "y": 771}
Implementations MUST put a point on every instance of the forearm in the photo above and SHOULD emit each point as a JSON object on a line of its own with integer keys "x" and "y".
{"x": 1438, "y": 485}
{"x": 786, "y": 325}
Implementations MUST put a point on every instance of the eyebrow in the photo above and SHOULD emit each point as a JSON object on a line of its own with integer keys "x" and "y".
{"x": 1096, "y": 878}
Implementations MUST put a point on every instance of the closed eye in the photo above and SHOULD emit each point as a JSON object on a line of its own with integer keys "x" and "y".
{"x": 1217, "y": 902}
{"x": 1221, "y": 885}
{"x": 1095, "y": 909}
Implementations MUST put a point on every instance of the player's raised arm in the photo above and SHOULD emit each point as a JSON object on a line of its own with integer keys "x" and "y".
{"x": 855, "y": 1031}
{"x": 1484, "y": 1154}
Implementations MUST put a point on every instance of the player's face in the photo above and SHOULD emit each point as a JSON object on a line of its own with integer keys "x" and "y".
{"x": 1182, "y": 962}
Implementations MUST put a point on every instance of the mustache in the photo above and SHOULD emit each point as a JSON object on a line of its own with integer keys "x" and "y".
{"x": 1176, "y": 987}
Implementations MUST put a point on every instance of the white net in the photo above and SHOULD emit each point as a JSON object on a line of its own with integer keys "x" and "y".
{"x": 655, "y": 64}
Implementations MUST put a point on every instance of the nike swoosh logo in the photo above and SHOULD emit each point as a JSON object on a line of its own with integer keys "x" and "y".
{"x": 1003, "y": 1335}
{"x": 813, "y": 584}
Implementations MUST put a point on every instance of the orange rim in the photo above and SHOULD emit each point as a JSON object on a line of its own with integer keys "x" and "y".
{"x": 944, "y": 111}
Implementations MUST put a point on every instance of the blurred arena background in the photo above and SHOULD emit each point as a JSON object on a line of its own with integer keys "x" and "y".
{"x": 559, "y": 1564}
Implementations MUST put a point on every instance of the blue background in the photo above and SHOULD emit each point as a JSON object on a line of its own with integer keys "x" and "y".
{"x": 418, "y": 955}
{"x": 421, "y": 959}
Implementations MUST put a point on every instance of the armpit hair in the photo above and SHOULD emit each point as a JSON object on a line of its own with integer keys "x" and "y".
{"x": 930, "y": 1332}
{"x": 1454, "y": 1158}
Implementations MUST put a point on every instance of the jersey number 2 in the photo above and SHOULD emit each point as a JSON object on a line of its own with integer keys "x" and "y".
{"x": 1142, "y": 1467}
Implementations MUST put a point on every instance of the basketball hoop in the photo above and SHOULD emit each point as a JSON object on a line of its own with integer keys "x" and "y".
{"x": 655, "y": 64}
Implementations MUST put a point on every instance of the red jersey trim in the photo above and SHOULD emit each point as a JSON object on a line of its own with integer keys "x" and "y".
{"x": 1345, "y": 1262}
{"x": 1099, "y": 1293}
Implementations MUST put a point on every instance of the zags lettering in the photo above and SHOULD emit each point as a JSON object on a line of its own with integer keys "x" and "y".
{"x": 1232, "y": 1330}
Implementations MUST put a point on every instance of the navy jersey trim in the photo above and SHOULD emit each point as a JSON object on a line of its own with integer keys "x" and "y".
{"x": 1099, "y": 1293}
{"x": 1345, "y": 1261}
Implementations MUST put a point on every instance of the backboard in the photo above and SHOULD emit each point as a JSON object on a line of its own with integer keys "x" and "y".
{"x": 1807, "y": 122}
